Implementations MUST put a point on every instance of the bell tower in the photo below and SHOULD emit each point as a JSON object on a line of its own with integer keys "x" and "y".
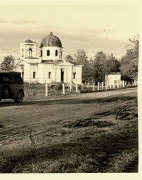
{"x": 28, "y": 50}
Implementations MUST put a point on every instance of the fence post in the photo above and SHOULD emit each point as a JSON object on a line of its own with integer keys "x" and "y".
{"x": 82, "y": 86}
{"x": 117, "y": 85}
{"x": 76, "y": 87}
{"x": 114, "y": 86}
{"x": 70, "y": 87}
{"x": 63, "y": 88}
{"x": 102, "y": 85}
{"x": 88, "y": 85}
{"x": 93, "y": 87}
{"x": 98, "y": 88}
{"x": 46, "y": 89}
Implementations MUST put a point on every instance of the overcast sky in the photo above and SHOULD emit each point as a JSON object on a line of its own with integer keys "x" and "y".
{"x": 92, "y": 28}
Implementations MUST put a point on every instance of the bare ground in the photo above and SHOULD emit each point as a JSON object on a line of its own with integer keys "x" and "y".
{"x": 85, "y": 133}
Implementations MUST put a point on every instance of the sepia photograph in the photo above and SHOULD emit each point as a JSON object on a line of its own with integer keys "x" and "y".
{"x": 69, "y": 88}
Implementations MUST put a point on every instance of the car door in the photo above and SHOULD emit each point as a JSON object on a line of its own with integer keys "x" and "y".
{"x": 12, "y": 84}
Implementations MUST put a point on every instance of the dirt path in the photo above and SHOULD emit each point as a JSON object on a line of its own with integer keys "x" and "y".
{"x": 39, "y": 124}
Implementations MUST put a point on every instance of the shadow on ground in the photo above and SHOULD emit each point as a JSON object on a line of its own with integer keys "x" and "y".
{"x": 91, "y": 154}
{"x": 71, "y": 101}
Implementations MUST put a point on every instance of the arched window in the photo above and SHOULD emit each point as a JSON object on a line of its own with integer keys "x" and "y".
{"x": 56, "y": 53}
{"x": 22, "y": 52}
{"x": 48, "y": 52}
{"x": 30, "y": 52}
{"x": 61, "y": 53}
{"x": 41, "y": 53}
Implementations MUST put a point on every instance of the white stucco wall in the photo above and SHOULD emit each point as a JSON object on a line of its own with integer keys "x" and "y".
{"x": 78, "y": 71}
{"x": 52, "y": 53}
{"x": 112, "y": 79}
{"x": 43, "y": 73}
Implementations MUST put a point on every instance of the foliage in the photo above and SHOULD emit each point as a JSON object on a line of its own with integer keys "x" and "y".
{"x": 112, "y": 64}
{"x": 99, "y": 66}
{"x": 82, "y": 59}
{"x": 69, "y": 58}
{"x": 129, "y": 62}
{"x": 95, "y": 69}
{"x": 8, "y": 63}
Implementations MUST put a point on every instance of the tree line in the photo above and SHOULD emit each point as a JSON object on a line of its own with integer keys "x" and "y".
{"x": 95, "y": 69}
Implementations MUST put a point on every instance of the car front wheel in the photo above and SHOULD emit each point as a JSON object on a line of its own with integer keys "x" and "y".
{"x": 19, "y": 98}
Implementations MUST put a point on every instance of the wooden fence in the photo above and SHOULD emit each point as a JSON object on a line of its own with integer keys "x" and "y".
{"x": 63, "y": 89}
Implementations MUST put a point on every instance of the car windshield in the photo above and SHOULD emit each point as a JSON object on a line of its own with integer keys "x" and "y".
{"x": 11, "y": 78}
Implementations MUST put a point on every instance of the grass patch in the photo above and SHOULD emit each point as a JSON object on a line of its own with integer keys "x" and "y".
{"x": 88, "y": 122}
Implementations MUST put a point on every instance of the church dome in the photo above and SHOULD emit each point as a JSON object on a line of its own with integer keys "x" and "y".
{"x": 50, "y": 41}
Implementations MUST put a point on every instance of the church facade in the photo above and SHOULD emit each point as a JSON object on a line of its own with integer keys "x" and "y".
{"x": 49, "y": 66}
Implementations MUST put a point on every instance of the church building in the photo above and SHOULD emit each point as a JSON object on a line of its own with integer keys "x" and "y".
{"x": 49, "y": 66}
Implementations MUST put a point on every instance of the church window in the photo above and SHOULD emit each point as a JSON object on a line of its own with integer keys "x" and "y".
{"x": 34, "y": 75}
{"x": 49, "y": 75}
{"x": 22, "y": 74}
{"x": 61, "y": 53}
{"x": 56, "y": 53}
{"x": 30, "y": 52}
{"x": 48, "y": 52}
{"x": 41, "y": 53}
{"x": 22, "y": 52}
{"x": 74, "y": 75}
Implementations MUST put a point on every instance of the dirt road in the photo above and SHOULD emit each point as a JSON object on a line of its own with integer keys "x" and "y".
{"x": 48, "y": 122}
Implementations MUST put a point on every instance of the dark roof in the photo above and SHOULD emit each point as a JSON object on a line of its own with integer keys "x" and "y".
{"x": 29, "y": 41}
{"x": 51, "y": 40}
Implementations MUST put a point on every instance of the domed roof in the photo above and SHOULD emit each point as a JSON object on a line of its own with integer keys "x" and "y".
{"x": 29, "y": 41}
{"x": 51, "y": 40}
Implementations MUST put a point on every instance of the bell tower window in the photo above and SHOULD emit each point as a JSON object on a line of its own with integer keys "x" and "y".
{"x": 30, "y": 52}
{"x": 56, "y": 53}
{"x": 34, "y": 75}
{"x": 48, "y": 52}
{"x": 41, "y": 53}
{"x": 22, "y": 52}
{"x": 49, "y": 75}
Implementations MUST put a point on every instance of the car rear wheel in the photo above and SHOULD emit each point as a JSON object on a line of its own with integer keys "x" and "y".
{"x": 19, "y": 98}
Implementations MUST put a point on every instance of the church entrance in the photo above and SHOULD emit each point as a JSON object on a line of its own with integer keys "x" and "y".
{"x": 62, "y": 75}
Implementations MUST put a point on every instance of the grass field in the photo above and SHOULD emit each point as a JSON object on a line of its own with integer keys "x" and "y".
{"x": 87, "y": 135}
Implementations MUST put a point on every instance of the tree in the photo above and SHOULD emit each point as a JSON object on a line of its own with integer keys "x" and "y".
{"x": 69, "y": 58}
{"x": 82, "y": 59}
{"x": 99, "y": 66}
{"x": 129, "y": 62}
{"x": 112, "y": 64}
{"x": 129, "y": 69}
{"x": 8, "y": 63}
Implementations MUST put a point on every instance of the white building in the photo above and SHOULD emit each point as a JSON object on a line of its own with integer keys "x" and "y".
{"x": 113, "y": 79}
{"x": 49, "y": 66}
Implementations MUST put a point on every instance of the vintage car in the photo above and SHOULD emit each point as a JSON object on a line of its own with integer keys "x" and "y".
{"x": 11, "y": 86}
